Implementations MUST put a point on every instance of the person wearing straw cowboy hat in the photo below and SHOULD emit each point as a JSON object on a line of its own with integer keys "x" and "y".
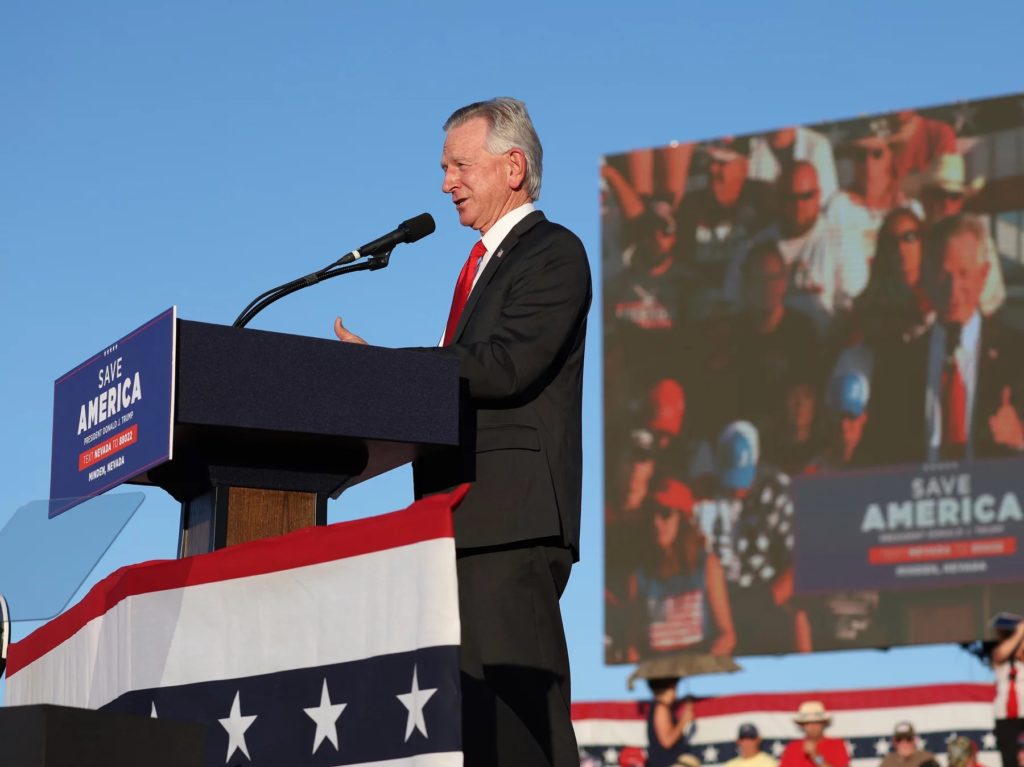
{"x": 814, "y": 749}
{"x": 942, "y": 187}
{"x": 944, "y": 190}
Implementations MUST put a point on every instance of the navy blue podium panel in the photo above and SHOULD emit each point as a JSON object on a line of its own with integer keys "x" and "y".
{"x": 285, "y": 412}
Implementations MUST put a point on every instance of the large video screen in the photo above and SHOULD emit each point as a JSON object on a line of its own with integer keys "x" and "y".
{"x": 814, "y": 385}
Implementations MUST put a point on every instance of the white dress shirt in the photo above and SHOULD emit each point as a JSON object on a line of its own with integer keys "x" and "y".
{"x": 493, "y": 239}
{"x": 967, "y": 362}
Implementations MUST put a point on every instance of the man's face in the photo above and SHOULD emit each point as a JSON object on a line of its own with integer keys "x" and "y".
{"x": 783, "y": 138}
{"x": 956, "y": 278}
{"x": 727, "y": 176}
{"x": 904, "y": 745}
{"x": 480, "y": 183}
{"x": 764, "y": 282}
{"x": 800, "y": 407}
{"x": 873, "y": 165}
{"x": 801, "y": 200}
{"x": 748, "y": 747}
{"x": 851, "y": 429}
{"x": 941, "y": 203}
{"x": 813, "y": 730}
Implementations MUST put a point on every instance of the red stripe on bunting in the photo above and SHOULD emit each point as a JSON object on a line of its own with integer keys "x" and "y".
{"x": 842, "y": 700}
{"x": 425, "y": 520}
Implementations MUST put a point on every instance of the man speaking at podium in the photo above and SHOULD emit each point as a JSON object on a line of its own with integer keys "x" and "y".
{"x": 517, "y": 325}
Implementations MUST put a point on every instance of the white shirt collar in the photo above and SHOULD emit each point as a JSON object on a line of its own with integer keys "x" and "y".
{"x": 504, "y": 225}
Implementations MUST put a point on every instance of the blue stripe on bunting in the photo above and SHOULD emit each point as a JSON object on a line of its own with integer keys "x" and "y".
{"x": 372, "y": 726}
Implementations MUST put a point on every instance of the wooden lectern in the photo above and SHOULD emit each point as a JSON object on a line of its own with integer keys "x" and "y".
{"x": 267, "y": 426}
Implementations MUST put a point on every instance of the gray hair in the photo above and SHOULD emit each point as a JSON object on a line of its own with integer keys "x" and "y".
{"x": 947, "y": 229}
{"x": 510, "y": 128}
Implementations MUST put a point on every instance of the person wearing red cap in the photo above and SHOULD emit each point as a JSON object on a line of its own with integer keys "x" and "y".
{"x": 678, "y": 591}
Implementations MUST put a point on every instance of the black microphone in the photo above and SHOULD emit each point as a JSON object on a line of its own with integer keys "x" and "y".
{"x": 415, "y": 228}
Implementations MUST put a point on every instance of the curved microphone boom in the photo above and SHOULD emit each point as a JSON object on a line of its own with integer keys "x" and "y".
{"x": 376, "y": 252}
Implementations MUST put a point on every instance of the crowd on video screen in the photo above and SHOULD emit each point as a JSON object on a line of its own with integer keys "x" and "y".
{"x": 808, "y": 300}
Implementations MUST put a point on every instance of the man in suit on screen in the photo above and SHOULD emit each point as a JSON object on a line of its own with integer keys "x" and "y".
{"x": 954, "y": 392}
{"x": 517, "y": 325}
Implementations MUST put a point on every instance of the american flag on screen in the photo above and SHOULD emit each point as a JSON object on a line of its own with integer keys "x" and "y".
{"x": 328, "y": 646}
{"x": 615, "y": 733}
{"x": 679, "y": 622}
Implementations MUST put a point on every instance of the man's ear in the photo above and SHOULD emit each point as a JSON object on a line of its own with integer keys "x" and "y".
{"x": 516, "y": 169}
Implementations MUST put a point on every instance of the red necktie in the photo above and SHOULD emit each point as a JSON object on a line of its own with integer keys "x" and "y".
{"x": 1011, "y": 692}
{"x": 954, "y": 412}
{"x": 462, "y": 290}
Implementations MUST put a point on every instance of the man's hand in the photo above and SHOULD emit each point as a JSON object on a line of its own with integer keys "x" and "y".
{"x": 1005, "y": 424}
{"x": 346, "y": 335}
{"x": 810, "y": 748}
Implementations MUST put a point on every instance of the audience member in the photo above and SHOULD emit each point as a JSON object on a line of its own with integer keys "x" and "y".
{"x": 748, "y": 746}
{"x": 814, "y": 749}
{"x": 655, "y": 441}
{"x": 717, "y": 223}
{"x": 746, "y": 514}
{"x": 859, "y": 210}
{"x": 944, "y": 192}
{"x": 668, "y": 733}
{"x": 846, "y": 414}
{"x": 905, "y": 751}
{"x": 792, "y": 441}
{"x": 825, "y": 273}
{"x": 772, "y": 154}
{"x": 774, "y": 344}
{"x": 678, "y": 590}
{"x": 961, "y": 751}
{"x": 921, "y": 140}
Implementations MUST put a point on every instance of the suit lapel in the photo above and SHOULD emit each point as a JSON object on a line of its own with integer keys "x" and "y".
{"x": 494, "y": 263}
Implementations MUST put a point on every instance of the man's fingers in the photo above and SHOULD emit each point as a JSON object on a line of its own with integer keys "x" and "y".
{"x": 339, "y": 330}
{"x": 344, "y": 334}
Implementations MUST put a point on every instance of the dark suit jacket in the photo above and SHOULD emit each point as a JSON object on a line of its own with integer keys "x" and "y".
{"x": 519, "y": 344}
{"x": 897, "y": 430}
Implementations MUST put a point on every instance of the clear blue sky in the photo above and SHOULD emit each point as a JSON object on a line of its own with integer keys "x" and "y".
{"x": 195, "y": 153}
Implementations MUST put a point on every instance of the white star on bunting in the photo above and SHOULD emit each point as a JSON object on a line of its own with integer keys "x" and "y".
{"x": 881, "y": 747}
{"x": 988, "y": 741}
{"x": 236, "y": 725}
{"x": 850, "y": 747}
{"x": 326, "y": 717}
{"x": 610, "y": 756}
{"x": 152, "y": 710}
{"x": 710, "y": 755}
{"x": 414, "y": 701}
{"x": 777, "y": 748}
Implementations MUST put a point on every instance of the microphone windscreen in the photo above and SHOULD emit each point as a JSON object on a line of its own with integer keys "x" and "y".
{"x": 418, "y": 227}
